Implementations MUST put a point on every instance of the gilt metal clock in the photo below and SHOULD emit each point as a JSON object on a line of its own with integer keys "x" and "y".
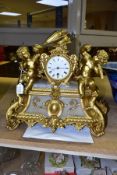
{"x": 49, "y": 76}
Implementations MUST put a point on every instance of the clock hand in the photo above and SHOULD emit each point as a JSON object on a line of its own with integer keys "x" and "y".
{"x": 62, "y": 68}
{"x": 59, "y": 68}
{"x": 52, "y": 68}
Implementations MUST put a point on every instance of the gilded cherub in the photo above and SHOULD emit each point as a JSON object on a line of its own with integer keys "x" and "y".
{"x": 28, "y": 67}
{"x": 28, "y": 74}
{"x": 90, "y": 65}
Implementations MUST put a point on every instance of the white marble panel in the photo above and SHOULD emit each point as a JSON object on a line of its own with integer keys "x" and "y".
{"x": 72, "y": 106}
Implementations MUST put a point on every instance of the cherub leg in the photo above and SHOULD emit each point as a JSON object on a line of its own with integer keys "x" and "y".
{"x": 29, "y": 85}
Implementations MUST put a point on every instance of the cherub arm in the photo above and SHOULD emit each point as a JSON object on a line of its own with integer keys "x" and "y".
{"x": 98, "y": 70}
{"x": 36, "y": 57}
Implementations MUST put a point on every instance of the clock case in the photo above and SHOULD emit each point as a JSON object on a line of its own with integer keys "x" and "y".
{"x": 74, "y": 100}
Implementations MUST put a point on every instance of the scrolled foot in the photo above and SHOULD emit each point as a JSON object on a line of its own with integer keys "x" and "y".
{"x": 12, "y": 123}
{"x": 97, "y": 129}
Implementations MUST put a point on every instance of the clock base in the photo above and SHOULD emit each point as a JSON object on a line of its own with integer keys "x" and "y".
{"x": 38, "y": 107}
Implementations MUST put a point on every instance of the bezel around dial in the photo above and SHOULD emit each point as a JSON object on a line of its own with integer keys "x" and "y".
{"x": 58, "y": 67}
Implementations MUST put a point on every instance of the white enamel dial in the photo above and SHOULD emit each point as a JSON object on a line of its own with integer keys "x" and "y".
{"x": 58, "y": 67}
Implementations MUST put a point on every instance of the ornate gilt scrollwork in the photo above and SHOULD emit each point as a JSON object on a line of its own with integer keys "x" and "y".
{"x": 82, "y": 70}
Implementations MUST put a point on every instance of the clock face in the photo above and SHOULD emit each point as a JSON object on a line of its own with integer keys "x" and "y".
{"x": 58, "y": 67}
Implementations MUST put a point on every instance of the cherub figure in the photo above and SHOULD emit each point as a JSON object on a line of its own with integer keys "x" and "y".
{"x": 28, "y": 74}
{"x": 90, "y": 65}
{"x": 28, "y": 67}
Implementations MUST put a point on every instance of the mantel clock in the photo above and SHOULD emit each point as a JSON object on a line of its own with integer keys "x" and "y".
{"x": 57, "y": 89}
